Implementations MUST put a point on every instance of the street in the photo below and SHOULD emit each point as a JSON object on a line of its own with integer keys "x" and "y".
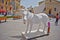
{"x": 12, "y": 29}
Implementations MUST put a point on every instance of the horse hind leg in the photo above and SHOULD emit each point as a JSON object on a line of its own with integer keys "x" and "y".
{"x": 39, "y": 26}
{"x": 44, "y": 27}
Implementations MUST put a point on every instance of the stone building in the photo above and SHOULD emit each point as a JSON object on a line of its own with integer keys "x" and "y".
{"x": 51, "y": 6}
{"x": 10, "y": 5}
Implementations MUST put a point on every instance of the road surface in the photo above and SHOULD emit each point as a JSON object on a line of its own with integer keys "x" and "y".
{"x": 11, "y": 30}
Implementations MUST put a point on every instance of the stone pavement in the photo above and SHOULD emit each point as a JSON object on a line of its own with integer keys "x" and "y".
{"x": 11, "y": 30}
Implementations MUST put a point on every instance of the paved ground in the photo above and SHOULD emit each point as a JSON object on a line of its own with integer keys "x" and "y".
{"x": 11, "y": 30}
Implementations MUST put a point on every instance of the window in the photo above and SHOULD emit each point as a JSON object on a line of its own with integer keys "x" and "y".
{"x": 6, "y": 3}
{"x": 44, "y": 9}
{"x": 50, "y": 11}
{"x": 1, "y": 7}
{"x": 2, "y": 1}
{"x": 50, "y": 0}
{"x": 54, "y": 9}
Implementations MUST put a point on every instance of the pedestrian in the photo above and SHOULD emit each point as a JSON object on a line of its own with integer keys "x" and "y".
{"x": 57, "y": 18}
{"x": 0, "y": 13}
{"x": 5, "y": 14}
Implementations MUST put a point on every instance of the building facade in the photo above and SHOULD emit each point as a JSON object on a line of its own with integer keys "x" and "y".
{"x": 10, "y": 5}
{"x": 39, "y": 8}
{"x": 52, "y": 6}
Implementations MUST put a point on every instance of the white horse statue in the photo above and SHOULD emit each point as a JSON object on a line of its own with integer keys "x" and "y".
{"x": 23, "y": 12}
{"x": 31, "y": 19}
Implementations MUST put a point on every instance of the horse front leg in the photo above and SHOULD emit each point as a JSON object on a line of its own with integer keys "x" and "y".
{"x": 27, "y": 27}
{"x": 24, "y": 21}
{"x": 31, "y": 24}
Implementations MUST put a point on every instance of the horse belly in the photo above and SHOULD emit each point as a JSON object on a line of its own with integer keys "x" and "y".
{"x": 36, "y": 20}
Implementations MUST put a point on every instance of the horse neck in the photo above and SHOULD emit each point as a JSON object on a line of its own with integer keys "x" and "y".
{"x": 29, "y": 15}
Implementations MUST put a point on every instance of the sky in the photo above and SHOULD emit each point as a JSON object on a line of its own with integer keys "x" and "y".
{"x": 58, "y": 0}
{"x": 28, "y": 3}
